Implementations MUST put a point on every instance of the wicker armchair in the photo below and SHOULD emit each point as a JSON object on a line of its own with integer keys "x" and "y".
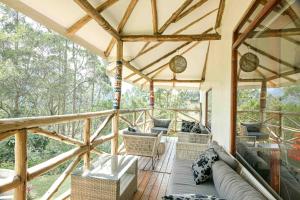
{"x": 254, "y": 129}
{"x": 142, "y": 144}
{"x": 189, "y": 151}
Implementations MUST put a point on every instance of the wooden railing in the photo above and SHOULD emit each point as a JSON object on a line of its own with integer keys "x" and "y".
{"x": 83, "y": 146}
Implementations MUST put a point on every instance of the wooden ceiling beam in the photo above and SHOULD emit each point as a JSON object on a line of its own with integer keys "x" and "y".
{"x": 93, "y": 13}
{"x": 292, "y": 15}
{"x": 145, "y": 49}
{"x": 270, "y": 56}
{"x": 84, "y": 20}
{"x": 275, "y": 33}
{"x": 220, "y": 14}
{"x": 177, "y": 81}
{"x": 121, "y": 25}
{"x": 284, "y": 74}
{"x": 135, "y": 70}
{"x": 164, "y": 56}
{"x": 154, "y": 16}
{"x": 174, "y": 16}
{"x": 169, "y": 38}
{"x": 159, "y": 69}
{"x": 189, "y": 10}
{"x": 276, "y": 73}
{"x": 256, "y": 21}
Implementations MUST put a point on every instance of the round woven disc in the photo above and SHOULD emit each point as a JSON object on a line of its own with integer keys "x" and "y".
{"x": 249, "y": 62}
{"x": 178, "y": 64}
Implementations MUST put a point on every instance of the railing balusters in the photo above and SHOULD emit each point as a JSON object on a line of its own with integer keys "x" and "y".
{"x": 87, "y": 142}
{"x": 21, "y": 164}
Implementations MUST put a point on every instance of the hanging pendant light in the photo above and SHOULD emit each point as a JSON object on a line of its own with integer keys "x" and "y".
{"x": 249, "y": 62}
{"x": 178, "y": 64}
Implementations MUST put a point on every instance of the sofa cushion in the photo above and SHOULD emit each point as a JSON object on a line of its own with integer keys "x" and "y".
{"x": 163, "y": 123}
{"x": 196, "y": 128}
{"x": 187, "y": 126}
{"x": 259, "y": 135}
{"x": 202, "y": 166}
{"x": 190, "y": 197}
{"x": 159, "y": 130}
{"x": 223, "y": 155}
{"x": 252, "y": 127}
{"x": 182, "y": 182}
{"x": 231, "y": 185}
{"x": 140, "y": 134}
{"x": 131, "y": 129}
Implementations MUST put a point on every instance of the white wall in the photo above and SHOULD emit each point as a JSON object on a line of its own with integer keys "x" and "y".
{"x": 218, "y": 73}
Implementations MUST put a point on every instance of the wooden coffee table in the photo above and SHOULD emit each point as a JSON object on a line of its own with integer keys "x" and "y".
{"x": 110, "y": 177}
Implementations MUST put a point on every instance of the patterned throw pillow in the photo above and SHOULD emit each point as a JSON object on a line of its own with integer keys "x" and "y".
{"x": 196, "y": 128}
{"x": 190, "y": 197}
{"x": 187, "y": 126}
{"x": 131, "y": 129}
{"x": 202, "y": 166}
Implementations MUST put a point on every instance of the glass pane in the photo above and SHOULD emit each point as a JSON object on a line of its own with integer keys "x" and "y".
{"x": 268, "y": 118}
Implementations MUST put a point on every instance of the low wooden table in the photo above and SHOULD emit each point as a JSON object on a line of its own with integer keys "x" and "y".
{"x": 110, "y": 177}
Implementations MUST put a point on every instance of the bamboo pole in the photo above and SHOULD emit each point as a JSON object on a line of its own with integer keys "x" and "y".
{"x": 87, "y": 142}
{"x": 117, "y": 98}
{"x": 21, "y": 164}
{"x": 9, "y": 183}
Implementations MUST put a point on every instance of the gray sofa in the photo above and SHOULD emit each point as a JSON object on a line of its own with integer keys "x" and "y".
{"x": 259, "y": 160}
{"x": 226, "y": 181}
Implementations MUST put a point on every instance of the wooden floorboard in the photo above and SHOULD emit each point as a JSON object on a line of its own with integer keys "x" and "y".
{"x": 153, "y": 184}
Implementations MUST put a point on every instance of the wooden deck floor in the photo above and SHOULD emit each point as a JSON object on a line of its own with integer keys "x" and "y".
{"x": 152, "y": 184}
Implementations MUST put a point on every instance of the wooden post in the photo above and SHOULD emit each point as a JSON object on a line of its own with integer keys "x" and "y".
{"x": 263, "y": 96}
{"x": 21, "y": 164}
{"x": 145, "y": 120}
{"x": 151, "y": 98}
{"x": 117, "y": 98}
{"x": 86, "y": 140}
{"x": 134, "y": 118}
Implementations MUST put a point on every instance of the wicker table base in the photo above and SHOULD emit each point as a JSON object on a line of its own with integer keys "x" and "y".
{"x": 112, "y": 177}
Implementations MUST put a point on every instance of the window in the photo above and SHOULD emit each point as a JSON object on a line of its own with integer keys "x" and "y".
{"x": 266, "y": 110}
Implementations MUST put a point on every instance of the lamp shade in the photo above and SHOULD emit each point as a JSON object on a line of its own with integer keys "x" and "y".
{"x": 249, "y": 62}
{"x": 178, "y": 64}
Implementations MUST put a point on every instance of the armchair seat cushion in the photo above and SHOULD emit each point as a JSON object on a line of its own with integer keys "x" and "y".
{"x": 140, "y": 134}
{"x": 259, "y": 135}
{"x": 159, "y": 129}
{"x": 252, "y": 127}
{"x": 163, "y": 123}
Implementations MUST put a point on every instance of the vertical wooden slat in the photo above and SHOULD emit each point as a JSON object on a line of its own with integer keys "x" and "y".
{"x": 263, "y": 96}
{"x": 175, "y": 128}
{"x": 86, "y": 140}
{"x": 117, "y": 97}
{"x": 21, "y": 164}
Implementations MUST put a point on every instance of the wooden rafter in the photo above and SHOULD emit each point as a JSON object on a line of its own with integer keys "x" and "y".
{"x": 177, "y": 81}
{"x": 174, "y": 16}
{"x": 136, "y": 71}
{"x": 189, "y": 10}
{"x": 257, "y": 20}
{"x": 293, "y": 15}
{"x": 159, "y": 69}
{"x": 290, "y": 39}
{"x": 165, "y": 56}
{"x": 270, "y": 56}
{"x": 93, "y": 13}
{"x": 121, "y": 25}
{"x": 154, "y": 38}
{"x": 275, "y": 33}
{"x": 220, "y": 14}
{"x": 284, "y": 74}
{"x": 144, "y": 50}
{"x": 276, "y": 73}
{"x": 84, "y": 20}
{"x": 205, "y": 63}
{"x": 154, "y": 16}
